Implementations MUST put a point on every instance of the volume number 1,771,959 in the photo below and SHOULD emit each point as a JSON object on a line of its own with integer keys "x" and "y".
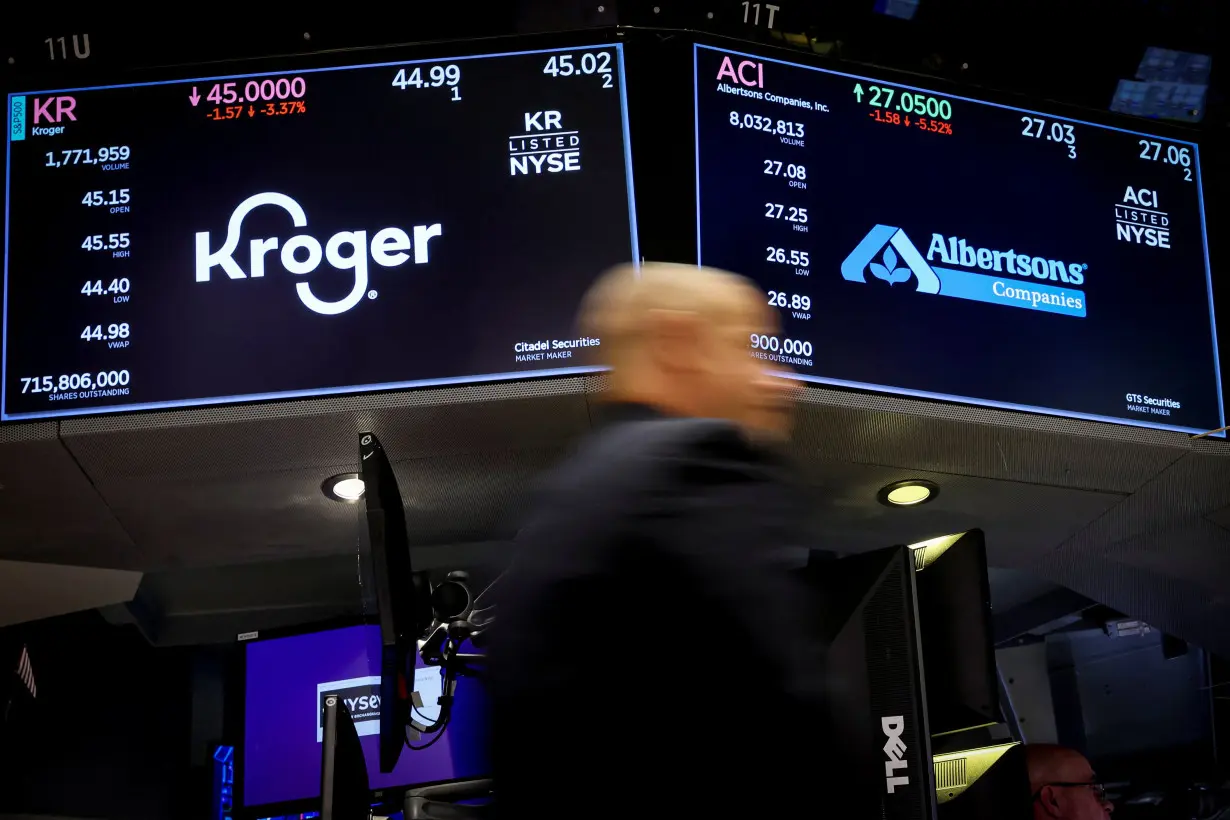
{"x": 87, "y": 156}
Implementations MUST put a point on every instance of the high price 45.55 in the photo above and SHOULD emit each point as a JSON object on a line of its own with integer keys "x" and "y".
{"x": 106, "y": 242}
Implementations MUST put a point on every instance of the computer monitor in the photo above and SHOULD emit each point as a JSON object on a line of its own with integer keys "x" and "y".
{"x": 402, "y": 596}
{"x": 344, "y": 792}
{"x": 988, "y": 783}
{"x": 868, "y": 622}
{"x": 954, "y": 613}
{"x": 286, "y": 678}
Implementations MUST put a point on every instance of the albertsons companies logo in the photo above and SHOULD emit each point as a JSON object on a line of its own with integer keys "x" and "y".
{"x": 887, "y": 254}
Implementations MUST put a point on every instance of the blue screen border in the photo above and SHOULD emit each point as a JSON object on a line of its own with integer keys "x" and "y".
{"x": 924, "y": 394}
{"x": 5, "y": 416}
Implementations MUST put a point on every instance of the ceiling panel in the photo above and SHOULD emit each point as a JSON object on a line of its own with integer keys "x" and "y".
{"x": 1013, "y": 587}
{"x": 1155, "y": 556}
{"x": 872, "y": 429}
{"x": 213, "y": 486}
{"x": 250, "y": 439}
{"x": 32, "y": 591}
{"x": 1126, "y": 516}
{"x": 1021, "y": 521}
{"x": 247, "y": 517}
{"x": 1221, "y": 518}
{"x": 1176, "y": 498}
{"x": 49, "y": 511}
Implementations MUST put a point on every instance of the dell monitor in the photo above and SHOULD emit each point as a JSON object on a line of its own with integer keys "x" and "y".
{"x": 402, "y": 596}
{"x": 988, "y": 783}
{"x": 344, "y": 793}
{"x": 868, "y": 622}
{"x": 954, "y": 612}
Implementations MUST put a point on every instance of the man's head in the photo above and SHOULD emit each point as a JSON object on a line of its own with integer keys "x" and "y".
{"x": 677, "y": 338}
{"x": 1063, "y": 785}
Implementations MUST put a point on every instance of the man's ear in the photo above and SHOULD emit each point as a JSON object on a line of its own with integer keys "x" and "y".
{"x": 672, "y": 336}
{"x": 1048, "y": 799}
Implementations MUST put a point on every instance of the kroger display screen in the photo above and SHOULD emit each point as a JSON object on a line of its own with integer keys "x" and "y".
{"x": 286, "y": 680}
{"x": 935, "y": 246}
{"x": 309, "y": 232}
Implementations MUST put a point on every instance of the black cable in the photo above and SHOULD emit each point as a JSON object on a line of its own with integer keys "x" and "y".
{"x": 431, "y": 742}
{"x": 415, "y": 709}
{"x": 487, "y": 588}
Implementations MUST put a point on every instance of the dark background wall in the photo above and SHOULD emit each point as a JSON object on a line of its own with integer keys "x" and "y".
{"x": 1135, "y": 712}
{"x": 110, "y": 732}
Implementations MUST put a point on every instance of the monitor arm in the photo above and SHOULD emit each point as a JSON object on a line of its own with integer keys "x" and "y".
{"x": 455, "y": 620}
{"x": 441, "y": 802}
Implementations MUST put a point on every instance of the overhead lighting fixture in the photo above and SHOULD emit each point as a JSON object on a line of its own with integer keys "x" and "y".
{"x": 344, "y": 487}
{"x": 909, "y": 493}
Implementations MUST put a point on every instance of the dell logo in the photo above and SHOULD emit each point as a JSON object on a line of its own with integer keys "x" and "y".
{"x": 302, "y": 254}
{"x": 748, "y": 73}
{"x": 894, "y": 750}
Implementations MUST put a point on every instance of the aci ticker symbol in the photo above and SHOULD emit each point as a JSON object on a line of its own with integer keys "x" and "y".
{"x": 885, "y": 238}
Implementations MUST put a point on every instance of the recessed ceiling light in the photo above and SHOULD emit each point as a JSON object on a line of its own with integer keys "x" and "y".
{"x": 345, "y": 487}
{"x": 908, "y": 493}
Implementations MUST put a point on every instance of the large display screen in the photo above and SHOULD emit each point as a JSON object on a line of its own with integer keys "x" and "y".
{"x": 938, "y": 246}
{"x": 285, "y": 682}
{"x": 308, "y": 232}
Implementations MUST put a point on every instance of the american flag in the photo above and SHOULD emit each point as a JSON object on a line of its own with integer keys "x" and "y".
{"x": 26, "y": 672}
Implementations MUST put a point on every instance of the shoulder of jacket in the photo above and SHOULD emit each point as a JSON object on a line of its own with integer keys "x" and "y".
{"x": 673, "y": 438}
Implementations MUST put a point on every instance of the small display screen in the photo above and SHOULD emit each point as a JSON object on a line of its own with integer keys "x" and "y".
{"x": 938, "y": 246}
{"x": 285, "y": 683}
{"x": 310, "y": 232}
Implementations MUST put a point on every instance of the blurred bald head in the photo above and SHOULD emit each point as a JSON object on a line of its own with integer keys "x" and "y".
{"x": 677, "y": 338}
{"x": 1058, "y": 777}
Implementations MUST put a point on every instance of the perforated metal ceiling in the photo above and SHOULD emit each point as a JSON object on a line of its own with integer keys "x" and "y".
{"x": 1125, "y": 516}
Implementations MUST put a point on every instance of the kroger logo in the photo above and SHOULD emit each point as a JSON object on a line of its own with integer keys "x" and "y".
{"x": 302, "y": 254}
{"x": 887, "y": 254}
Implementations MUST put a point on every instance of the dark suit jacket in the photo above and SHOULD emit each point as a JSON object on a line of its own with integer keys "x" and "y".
{"x": 648, "y": 661}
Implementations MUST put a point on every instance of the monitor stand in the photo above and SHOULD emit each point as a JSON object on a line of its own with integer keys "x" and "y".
{"x": 440, "y": 802}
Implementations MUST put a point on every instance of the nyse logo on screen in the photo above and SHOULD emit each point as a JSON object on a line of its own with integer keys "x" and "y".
{"x": 894, "y": 751}
{"x": 362, "y": 699}
{"x": 1139, "y": 219}
{"x": 545, "y": 147}
{"x": 302, "y": 254}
